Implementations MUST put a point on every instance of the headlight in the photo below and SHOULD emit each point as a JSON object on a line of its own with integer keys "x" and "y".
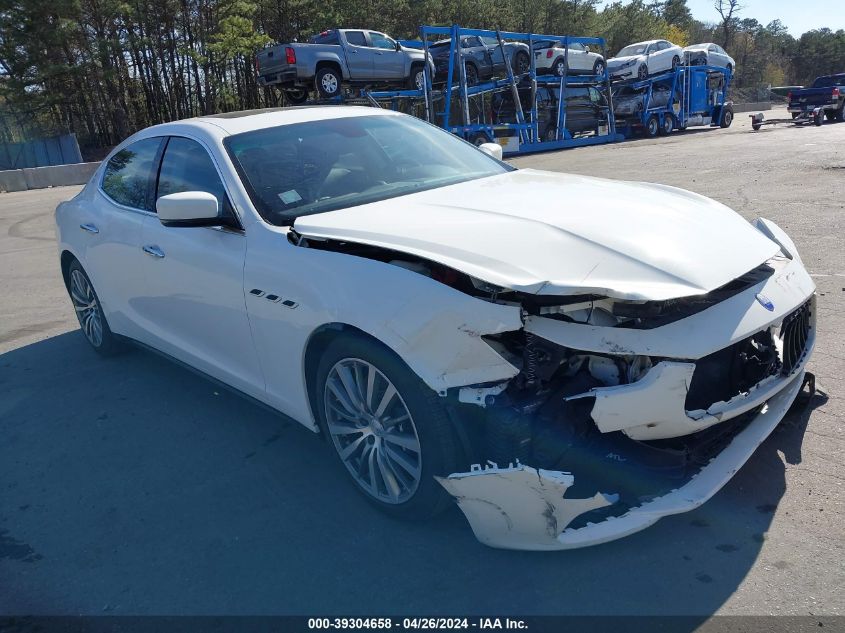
{"x": 629, "y": 63}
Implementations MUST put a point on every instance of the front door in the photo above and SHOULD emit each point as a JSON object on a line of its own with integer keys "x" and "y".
{"x": 194, "y": 300}
{"x": 388, "y": 62}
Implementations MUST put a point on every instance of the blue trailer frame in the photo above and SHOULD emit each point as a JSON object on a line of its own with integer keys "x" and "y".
{"x": 697, "y": 102}
{"x": 526, "y": 128}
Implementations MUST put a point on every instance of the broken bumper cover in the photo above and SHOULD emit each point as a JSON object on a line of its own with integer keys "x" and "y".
{"x": 525, "y": 509}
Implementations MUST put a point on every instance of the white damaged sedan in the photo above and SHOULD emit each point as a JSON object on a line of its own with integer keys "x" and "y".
{"x": 569, "y": 358}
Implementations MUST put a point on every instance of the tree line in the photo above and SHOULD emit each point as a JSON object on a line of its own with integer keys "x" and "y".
{"x": 106, "y": 68}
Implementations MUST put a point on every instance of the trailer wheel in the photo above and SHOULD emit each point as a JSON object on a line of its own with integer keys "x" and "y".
{"x": 652, "y": 126}
{"x": 667, "y": 125}
{"x": 727, "y": 117}
{"x": 756, "y": 126}
{"x": 818, "y": 118}
{"x": 297, "y": 96}
{"x": 478, "y": 139}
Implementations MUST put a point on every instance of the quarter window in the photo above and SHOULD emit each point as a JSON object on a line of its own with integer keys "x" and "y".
{"x": 186, "y": 166}
{"x": 129, "y": 174}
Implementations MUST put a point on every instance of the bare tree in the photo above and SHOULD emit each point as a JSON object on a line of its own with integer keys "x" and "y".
{"x": 727, "y": 9}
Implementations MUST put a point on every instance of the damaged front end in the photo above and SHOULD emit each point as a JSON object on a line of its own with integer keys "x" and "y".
{"x": 626, "y": 412}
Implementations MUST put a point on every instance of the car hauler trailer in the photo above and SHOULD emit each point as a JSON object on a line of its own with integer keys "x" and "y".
{"x": 697, "y": 96}
{"x": 474, "y": 118}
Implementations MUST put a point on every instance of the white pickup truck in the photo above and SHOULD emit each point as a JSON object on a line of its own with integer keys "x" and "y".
{"x": 355, "y": 56}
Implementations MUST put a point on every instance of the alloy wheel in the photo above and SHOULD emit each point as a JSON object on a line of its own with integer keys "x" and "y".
{"x": 372, "y": 430}
{"x": 329, "y": 83}
{"x": 86, "y": 306}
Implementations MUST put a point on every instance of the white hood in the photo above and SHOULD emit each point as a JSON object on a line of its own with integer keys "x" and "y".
{"x": 558, "y": 234}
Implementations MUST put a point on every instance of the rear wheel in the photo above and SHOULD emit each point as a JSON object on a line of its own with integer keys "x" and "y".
{"x": 818, "y": 117}
{"x": 559, "y": 67}
{"x": 668, "y": 125}
{"x": 652, "y": 126}
{"x": 389, "y": 430}
{"x": 89, "y": 312}
{"x": 328, "y": 82}
{"x": 676, "y": 61}
{"x": 550, "y": 134}
{"x": 479, "y": 138}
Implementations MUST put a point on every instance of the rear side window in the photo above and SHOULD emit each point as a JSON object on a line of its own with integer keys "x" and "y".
{"x": 356, "y": 38}
{"x": 326, "y": 37}
{"x": 129, "y": 175}
{"x": 186, "y": 166}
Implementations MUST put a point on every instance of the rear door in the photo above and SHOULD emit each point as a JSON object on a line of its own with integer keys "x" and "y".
{"x": 110, "y": 231}
{"x": 359, "y": 55}
{"x": 194, "y": 301}
{"x": 388, "y": 62}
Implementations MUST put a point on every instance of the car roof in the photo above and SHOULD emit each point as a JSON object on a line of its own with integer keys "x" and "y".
{"x": 229, "y": 123}
{"x": 645, "y": 42}
{"x": 702, "y": 45}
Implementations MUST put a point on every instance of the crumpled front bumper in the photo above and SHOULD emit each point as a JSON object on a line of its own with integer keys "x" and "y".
{"x": 526, "y": 509}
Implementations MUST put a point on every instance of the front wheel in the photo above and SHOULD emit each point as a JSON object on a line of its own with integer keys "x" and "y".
{"x": 818, "y": 117}
{"x": 89, "y": 312}
{"x": 521, "y": 63}
{"x": 390, "y": 431}
{"x": 642, "y": 72}
{"x": 676, "y": 61}
{"x": 599, "y": 68}
{"x": 417, "y": 79}
{"x": 727, "y": 118}
{"x": 328, "y": 82}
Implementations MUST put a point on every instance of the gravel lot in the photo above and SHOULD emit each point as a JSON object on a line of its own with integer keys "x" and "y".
{"x": 131, "y": 485}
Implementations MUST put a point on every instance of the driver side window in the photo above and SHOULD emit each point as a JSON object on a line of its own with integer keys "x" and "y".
{"x": 379, "y": 40}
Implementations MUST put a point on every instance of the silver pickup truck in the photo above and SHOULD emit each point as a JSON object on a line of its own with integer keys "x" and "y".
{"x": 355, "y": 56}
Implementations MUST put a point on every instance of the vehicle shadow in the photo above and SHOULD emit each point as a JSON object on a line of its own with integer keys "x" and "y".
{"x": 131, "y": 485}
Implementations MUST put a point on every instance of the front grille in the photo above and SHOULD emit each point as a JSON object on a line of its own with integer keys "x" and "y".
{"x": 737, "y": 368}
{"x": 794, "y": 334}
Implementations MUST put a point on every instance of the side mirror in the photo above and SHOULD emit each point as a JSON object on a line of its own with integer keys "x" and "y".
{"x": 398, "y": 46}
{"x": 189, "y": 208}
{"x": 492, "y": 149}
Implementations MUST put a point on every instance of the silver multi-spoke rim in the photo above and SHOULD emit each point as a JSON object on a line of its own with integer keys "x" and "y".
{"x": 419, "y": 80}
{"x": 329, "y": 82}
{"x": 372, "y": 430}
{"x": 87, "y": 310}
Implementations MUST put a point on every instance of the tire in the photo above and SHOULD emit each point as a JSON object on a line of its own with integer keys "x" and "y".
{"x": 559, "y": 67}
{"x": 599, "y": 67}
{"x": 667, "y": 125}
{"x": 642, "y": 72}
{"x": 831, "y": 115}
{"x": 521, "y": 63}
{"x": 479, "y": 138}
{"x": 818, "y": 118}
{"x": 89, "y": 312}
{"x": 328, "y": 82}
{"x": 296, "y": 97}
{"x": 727, "y": 117}
{"x": 795, "y": 115}
{"x": 549, "y": 135}
{"x": 840, "y": 113}
{"x": 652, "y": 126}
{"x": 393, "y": 465}
{"x": 676, "y": 61}
{"x": 417, "y": 79}
{"x": 729, "y": 68}
{"x": 756, "y": 126}
{"x": 471, "y": 75}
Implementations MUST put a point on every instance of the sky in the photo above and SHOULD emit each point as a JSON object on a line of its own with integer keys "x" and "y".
{"x": 797, "y": 15}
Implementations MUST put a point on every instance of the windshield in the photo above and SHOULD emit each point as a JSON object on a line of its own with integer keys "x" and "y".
{"x": 633, "y": 49}
{"x": 305, "y": 168}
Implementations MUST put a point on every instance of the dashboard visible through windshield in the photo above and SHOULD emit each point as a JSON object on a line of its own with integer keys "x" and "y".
{"x": 318, "y": 166}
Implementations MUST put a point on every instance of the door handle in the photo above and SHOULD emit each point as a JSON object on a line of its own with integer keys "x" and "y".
{"x": 353, "y": 51}
{"x": 91, "y": 228}
{"x": 153, "y": 251}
